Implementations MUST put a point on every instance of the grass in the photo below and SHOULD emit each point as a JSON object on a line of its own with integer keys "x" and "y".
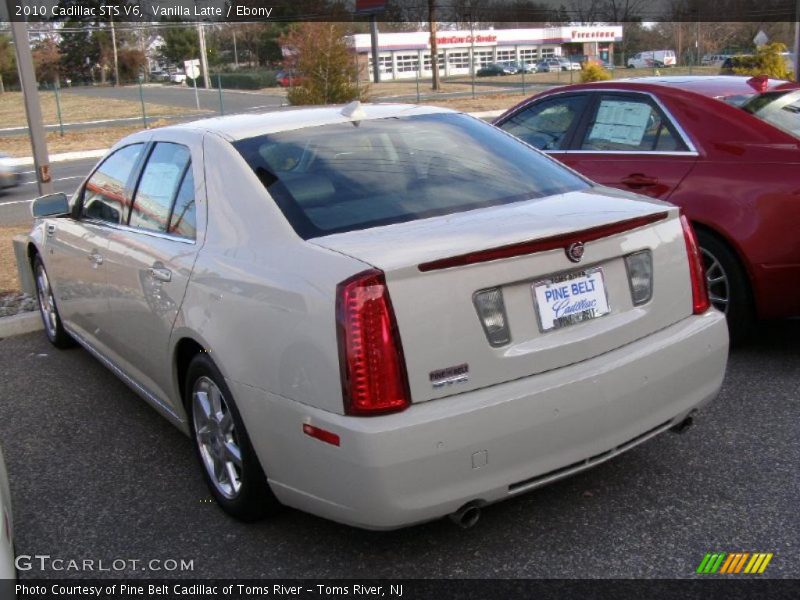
{"x": 76, "y": 108}
{"x": 96, "y": 138}
{"x": 8, "y": 262}
{"x": 480, "y": 103}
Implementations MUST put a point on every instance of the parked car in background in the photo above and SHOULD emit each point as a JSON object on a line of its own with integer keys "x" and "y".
{"x": 520, "y": 67}
{"x": 555, "y": 64}
{"x": 10, "y": 173}
{"x": 724, "y": 149}
{"x": 380, "y": 314}
{"x": 288, "y": 78}
{"x": 733, "y": 62}
{"x": 714, "y": 60}
{"x": 177, "y": 77}
{"x": 495, "y": 69}
{"x": 8, "y": 571}
{"x": 652, "y": 59}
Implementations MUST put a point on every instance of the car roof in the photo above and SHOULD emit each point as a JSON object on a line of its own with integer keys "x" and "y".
{"x": 713, "y": 86}
{"x": 237, "y": 127}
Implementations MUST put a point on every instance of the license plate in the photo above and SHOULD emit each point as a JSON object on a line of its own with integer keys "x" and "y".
{"x": 570, "y": 298}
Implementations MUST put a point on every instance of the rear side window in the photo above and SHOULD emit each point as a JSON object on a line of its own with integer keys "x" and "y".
{"x": 624, "y": 123}
{"x": 158, "y": 186}
{"x": 545, "y": 124}
{"x": 182, "y": 222}
{"x": 349, "y": 176}
{"x": 104, "y": 196}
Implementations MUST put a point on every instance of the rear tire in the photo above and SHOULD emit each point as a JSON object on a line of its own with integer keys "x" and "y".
{"x": 48, "y": 309}
{"x": 228, "y": 461}
{"x": 728, "y": 285}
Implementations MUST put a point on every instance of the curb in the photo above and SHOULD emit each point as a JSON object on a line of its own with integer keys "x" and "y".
{"x": 26, "y": 322}
{"x": 488, "y": 114}
{"x": 63, "y": 157}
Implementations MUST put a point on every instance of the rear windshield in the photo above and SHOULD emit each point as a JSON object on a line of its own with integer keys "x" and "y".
{"x": 781, "y": 109}
{"x": 349, "y": 176}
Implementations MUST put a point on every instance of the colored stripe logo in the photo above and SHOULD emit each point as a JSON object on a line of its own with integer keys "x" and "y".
{"x": 727, "y": 563}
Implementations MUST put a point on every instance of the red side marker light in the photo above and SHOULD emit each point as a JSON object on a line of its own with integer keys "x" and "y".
{"x": 321, "y": 434}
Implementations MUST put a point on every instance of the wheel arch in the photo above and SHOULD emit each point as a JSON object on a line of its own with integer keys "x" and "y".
{"x": 186, "y": 348}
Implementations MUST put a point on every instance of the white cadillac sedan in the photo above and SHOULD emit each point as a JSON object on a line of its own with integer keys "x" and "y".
{"x": 378, "y": 314}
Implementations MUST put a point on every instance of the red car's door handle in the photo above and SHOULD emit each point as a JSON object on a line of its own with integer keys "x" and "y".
{"x": 639, "y": 180}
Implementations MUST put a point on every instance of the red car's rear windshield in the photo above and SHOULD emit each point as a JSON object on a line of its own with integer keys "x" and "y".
{"x": 781, "y": 109}
{"x": 348, "y": 176}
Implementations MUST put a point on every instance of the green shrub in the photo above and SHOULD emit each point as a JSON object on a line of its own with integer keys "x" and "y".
{"x": 591, "y": 71}
{"x": 768, "y": 61}
{"x": 240, "y": 80}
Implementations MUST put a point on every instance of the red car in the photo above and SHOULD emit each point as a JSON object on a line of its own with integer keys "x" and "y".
{"x": 725, "y": 149}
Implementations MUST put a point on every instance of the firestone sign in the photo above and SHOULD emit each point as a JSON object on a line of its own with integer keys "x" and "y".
{"x": 592, "y": 35}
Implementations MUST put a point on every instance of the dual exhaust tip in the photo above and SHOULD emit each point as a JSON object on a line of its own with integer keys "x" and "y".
{"x": 468, "y": 515}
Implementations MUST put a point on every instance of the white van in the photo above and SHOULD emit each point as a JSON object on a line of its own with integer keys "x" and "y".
{"x": 652, "y": 58}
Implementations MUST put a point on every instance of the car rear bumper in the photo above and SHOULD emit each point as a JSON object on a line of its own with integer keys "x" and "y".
{"x": 490, "y": 444}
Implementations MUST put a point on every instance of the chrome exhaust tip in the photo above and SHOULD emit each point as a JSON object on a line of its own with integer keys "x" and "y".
{"x": 468, "y": 515}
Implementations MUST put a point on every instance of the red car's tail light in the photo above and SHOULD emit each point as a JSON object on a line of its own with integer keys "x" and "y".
{"x": 374, "y": 379}
{"x": 700, "y": 302}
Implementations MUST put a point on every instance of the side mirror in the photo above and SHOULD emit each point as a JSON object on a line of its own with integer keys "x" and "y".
{"x": 52, "y": 205}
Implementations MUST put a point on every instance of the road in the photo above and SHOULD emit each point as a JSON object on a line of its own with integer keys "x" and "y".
{"x": 95, "y": 473}
{"x": 15, "y": 202}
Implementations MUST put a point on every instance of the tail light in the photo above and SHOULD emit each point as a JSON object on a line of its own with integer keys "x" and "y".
{"x": 700, "y": 302}
{"x": 374, "y": 379}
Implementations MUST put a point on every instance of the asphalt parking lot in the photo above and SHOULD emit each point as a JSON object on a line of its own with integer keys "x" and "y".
{"x": 95, "y": 473}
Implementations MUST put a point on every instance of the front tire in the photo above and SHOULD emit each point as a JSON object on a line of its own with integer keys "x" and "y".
{"x": 51, "y": 319}
{"x": 728, "y": 285}
{"x": 229, "y": 463}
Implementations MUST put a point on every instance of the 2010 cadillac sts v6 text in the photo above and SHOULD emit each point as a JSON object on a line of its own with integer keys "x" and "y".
{"x": 378, "y": 314}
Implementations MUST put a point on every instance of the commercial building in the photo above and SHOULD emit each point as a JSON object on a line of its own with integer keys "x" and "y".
{"x": 401, "y": 54}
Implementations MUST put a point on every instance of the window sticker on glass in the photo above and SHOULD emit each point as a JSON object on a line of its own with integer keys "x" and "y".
{"x": 621, "y": 122}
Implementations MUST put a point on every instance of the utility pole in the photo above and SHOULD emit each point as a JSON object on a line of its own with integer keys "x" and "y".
{"x": 435, "y": 85}
{"x": 235, "y": 51}
{"x": 373, "y": 31}
{"x": 797, "y": 41}
{"x": 114, "y": 45}
{"x": 201, "y": 36}
{"x": 33, "y": 110}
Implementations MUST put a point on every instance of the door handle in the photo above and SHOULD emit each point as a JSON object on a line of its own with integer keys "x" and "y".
{"x": 51, "y": 230}
{"x": 160, "y": 274}
{"x": 636, "y": 180}
{"x": 96, "y": 258}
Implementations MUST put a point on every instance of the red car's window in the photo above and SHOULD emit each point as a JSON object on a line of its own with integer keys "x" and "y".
{"x": 627, "y": 123}
{"x": 781, "y": 109}
{"x": 545, "y": 124}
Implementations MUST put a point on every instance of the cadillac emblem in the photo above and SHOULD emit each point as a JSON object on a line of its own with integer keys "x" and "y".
{"x": 575, "y": 251}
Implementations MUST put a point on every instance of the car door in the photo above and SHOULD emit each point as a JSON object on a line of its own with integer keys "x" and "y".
{"x": 149, "y": 261}
{"x": 631, "y": 142}
{"x": 547, "y": 124}
{"x": 76, "y": 246}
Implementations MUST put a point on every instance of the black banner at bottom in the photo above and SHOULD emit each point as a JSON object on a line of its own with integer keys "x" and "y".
{"x": 406, "y": 589}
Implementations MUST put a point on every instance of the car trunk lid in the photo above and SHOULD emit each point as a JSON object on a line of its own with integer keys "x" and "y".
{"x": 434, "y": 267}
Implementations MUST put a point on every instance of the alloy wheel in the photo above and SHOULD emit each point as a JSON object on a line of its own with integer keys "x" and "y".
{"x": 719, "y": 291}
{"x": 216, "y": 437}
{"x": 47, "y": 303}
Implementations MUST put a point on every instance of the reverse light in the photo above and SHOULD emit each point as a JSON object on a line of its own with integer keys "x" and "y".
{"x": 700, "y": 302}
{"x": 371, "y": 360}
{"x": 640, "y": 276}
{"x": 492, "y": 314}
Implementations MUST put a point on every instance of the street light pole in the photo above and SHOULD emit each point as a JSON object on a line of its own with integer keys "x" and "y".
{"x": 116, "y": 60}
{"x": 33, "y": 110}
{"x": 201, "y": 36}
